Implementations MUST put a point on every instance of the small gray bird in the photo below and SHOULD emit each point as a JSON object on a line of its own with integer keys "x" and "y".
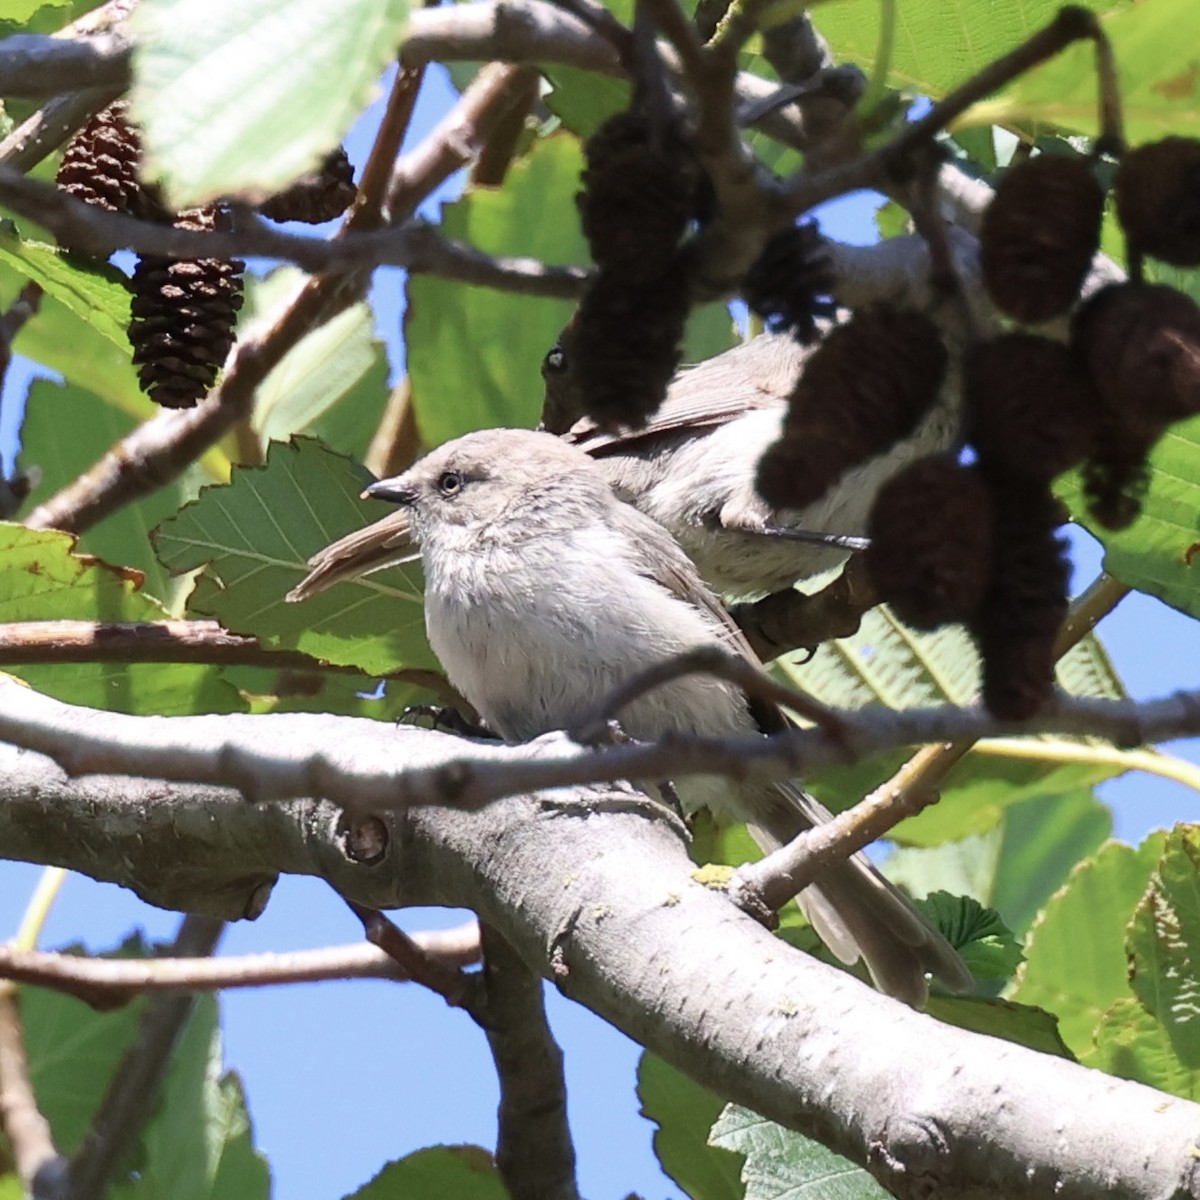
{"x": 543, "y": 592}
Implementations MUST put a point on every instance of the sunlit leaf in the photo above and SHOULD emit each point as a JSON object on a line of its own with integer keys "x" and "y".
{"x": 245, "y": 95}
{"x": 254, "y": 536}
{"x": 1075, "y": 963}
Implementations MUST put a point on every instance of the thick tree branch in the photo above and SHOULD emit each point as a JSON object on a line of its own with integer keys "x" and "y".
{"x": 620, "y": 924}
{"x": 34, "y": 65}
{"x": 367, "y": 769}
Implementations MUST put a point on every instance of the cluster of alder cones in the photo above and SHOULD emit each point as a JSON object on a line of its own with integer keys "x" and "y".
{"x": 950, "y": 542}
{"x": 184, "y": 311}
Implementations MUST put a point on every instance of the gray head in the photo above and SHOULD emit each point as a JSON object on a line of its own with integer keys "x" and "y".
{"x": 511, "y": 480}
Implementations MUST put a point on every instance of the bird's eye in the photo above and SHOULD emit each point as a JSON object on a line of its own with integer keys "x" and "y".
{"x": 555, "y": 362}
{"x": 449, "y": 483}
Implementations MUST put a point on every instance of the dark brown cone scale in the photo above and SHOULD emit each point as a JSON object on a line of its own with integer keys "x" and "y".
{"x": 100, "y": 166}
{"x": 1158, "y": 200}
{"x": 930, "y": 555}
{"x": 317, "y": 197}
{"x": 627, "y": 345}
{"x": 640, "y": 190}
{"x": 1039, "y": 235}
{"x": 1031, "y": 409}
{"x": 182, "y": 319}
{"x": 1018, "y": 623}
{"x": 866, "y": 387}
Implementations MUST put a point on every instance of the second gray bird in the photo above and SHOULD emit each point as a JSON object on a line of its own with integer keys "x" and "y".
{"x": 543, "y": 592}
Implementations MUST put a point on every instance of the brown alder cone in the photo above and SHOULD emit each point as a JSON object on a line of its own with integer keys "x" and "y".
{"x": 317, "y": 197}
{"x": 930, "y": 555}
{"x": 1039, "y": 236}
{"x": 866, "y": 387}
{"x": 182, "y": 318}
{"x": 1031, "y": 409}
{"x": 1157, "y": 192}
{"x": 101, "y": 163}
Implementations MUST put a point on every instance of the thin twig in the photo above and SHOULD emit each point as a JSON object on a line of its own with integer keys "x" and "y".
{"x": 456, "y": 139}
{"x": 704, "y": 660}
{"x": 806, "y": 189}
{"x": 458, "y": 989}
{"x": 133, "y": 1091}
{"x": 41, "y": 1168}
{"x": 361, "y": 766}
{"x": 173, "y": 642}
{"x": 370, "y": 209}
{"x": 107, "y": 983}
{"x": 417, "y": 246}
{"x": 534, "y": 1151}
{"x": 779, "y": 876}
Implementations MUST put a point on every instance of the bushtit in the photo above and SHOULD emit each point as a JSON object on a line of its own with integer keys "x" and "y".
{"x": 543, "y": 592}
{"x": 692, "y": 466}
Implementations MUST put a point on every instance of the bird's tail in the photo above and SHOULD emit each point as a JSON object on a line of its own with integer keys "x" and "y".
{"x": 859, "y": 914}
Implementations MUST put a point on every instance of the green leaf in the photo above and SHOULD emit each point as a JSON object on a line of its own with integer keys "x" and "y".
{"x": 12, "y": 1188}
{"x": 438, "y": 1173}
{"x": 340, "y": 363}
{"x": 73, "y": 1051}
{"x": 1155, "y": 554}
{"x": 79, "y": 328}
{"x": 472, "y": 365}
{"x": 95, "y": 292}
{"x": 1043, "y": 840}
{"x": 780, "y": 1162}
{"x": 1016, "y": 866}
{"x": 1164, "y": 944}
{"x": 244, "y": 97}
{"x": 938, "y": 43}
{"x": 62, "y": 457}
{"x": 198, "y": 1144}
{"x": 1075, "y": 962}
{"x": 1133, "y": 1044}
{"x": 685, "y": 1113}
{"x": 1026, "y": 1026}
{"x": 60, "y": 340}
{"x": 41, "y": 580}
{"x": 583, "y": 100}
{"x": 254, "y": 536}
{"x": 977, "y": 933}
{"x": 1156, "y": 67}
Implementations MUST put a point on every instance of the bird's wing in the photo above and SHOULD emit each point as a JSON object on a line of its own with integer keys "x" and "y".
{"x": 386, "y": 543}
{"x": 708, "y": 394}
{"x": 665, "y": 562}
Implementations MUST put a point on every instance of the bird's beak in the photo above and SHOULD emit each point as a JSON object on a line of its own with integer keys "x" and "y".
{"x": 396, "y": 490}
